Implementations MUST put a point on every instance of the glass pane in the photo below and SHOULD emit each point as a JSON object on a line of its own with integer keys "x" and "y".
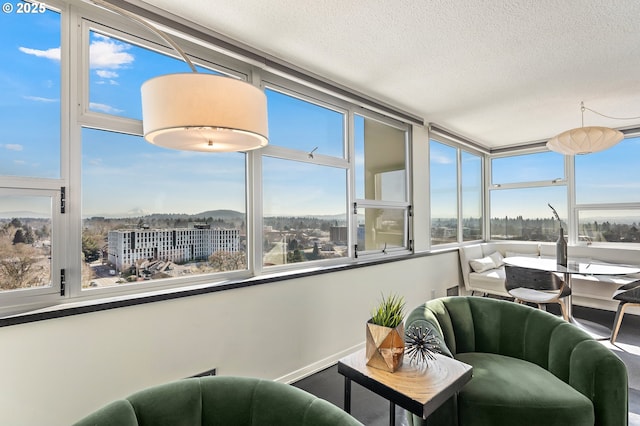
{"x": 25, "y": 242}
{"x": 305, "y": 214}
{"x": 30, "y": 101}
{"x": 613, "y": 226}
{"x": 444, "y": 193}
{"x": 380, "y": 229}
{"x": 301, "y": 125}
{"x": 152, "y": 213}
{"x": 609, "y": 176}
{"x": 471, "y": 197}
{"x": 524, "y": 214}
{"x": 527, "y": 168}
{"x": 379, "y": 161}
{"x": 118, "y": 70}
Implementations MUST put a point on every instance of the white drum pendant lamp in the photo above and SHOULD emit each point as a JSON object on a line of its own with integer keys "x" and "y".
{"x": 584, "y": 140}
{"x": 199, "y": 111}
{"x": 204, "y": 112}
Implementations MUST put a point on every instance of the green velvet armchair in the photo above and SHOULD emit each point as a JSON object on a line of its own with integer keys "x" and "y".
{"x": 529, "y": 367}
{"x": 222, "y": 401}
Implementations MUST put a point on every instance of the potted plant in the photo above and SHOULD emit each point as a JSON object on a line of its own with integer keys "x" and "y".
{"x": 385, "y": 334}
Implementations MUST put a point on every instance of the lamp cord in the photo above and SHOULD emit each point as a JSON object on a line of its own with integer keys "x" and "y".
{"x": 159, "y": 33}
{"x": 583, "y": 108}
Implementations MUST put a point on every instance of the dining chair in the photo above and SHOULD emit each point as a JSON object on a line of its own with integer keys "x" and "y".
{"x": 628, "y": 295}
{"x": 535, "y": 286}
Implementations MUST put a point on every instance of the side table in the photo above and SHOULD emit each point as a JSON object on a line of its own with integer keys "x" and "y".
{"x": 417, "y": 388}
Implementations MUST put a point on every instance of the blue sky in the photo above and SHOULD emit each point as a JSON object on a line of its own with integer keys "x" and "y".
{"x": 123, "y": 174}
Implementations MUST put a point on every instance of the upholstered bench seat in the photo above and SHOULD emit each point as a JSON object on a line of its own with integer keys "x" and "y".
{"x": 505, "y": 387}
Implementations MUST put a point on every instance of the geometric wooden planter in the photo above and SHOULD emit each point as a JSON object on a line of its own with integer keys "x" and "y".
{"x": 385, "y": 346}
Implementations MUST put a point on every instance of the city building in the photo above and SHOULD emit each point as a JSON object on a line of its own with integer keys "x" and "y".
{"x": 126, "y": 247}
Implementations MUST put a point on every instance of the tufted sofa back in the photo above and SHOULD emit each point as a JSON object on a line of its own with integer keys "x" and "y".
{"x": 212, "y": 401}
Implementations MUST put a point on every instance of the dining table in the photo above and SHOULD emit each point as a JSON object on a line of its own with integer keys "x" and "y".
{"x": 573, "y": 268}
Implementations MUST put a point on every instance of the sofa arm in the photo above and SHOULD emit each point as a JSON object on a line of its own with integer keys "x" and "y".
{"x": 601, "y": 376}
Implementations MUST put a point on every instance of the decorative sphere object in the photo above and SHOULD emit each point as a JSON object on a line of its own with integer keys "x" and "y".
{"x": 421, "y": 345}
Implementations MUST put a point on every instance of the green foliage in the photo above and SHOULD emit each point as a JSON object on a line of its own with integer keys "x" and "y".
{"x": 389, "y": 312}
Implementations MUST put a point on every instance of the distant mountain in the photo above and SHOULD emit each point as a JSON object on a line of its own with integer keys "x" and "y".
{"x": 220, "y": 214}
{"x": 23, "y": 214}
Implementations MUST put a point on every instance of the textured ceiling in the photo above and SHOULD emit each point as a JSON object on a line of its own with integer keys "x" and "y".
{"x": 498, "y": 72}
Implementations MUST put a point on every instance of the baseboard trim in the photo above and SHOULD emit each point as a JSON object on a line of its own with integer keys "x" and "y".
{"x": 318, "y": 366}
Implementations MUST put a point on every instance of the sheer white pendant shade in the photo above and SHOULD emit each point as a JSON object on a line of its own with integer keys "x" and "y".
{"x": 204, "y": 112}
{"x": 584, "y": 140}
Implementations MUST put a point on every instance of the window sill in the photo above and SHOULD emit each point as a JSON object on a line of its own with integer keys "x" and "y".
{"x": 113, "y": 302}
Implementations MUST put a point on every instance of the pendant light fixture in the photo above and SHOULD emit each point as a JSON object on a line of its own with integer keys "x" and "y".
{"x": 199, "y": 111}
{"x": 585, "y": 140}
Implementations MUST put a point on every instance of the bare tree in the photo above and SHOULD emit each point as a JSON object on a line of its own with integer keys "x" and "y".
{"x": 227, "y": 261}
{"x": 18, "y": 266}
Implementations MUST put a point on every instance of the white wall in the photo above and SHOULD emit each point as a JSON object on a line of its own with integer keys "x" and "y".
{"x": 56, "y": 371}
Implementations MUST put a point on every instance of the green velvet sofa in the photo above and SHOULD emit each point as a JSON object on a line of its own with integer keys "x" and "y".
{"x": 220, "y": 401}
{"x": 529, "y": 367}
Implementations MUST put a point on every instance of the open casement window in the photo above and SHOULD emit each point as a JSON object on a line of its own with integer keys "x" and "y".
{"x": 30, "y": 246}
{"x": 381, "y": 208}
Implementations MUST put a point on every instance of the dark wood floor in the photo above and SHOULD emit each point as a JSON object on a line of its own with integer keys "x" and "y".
{"x": 371, "y": 409}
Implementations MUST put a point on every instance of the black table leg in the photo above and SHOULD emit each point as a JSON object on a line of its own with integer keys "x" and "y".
{"x": 392, "y": 414}
{"x": 347, "y": 394}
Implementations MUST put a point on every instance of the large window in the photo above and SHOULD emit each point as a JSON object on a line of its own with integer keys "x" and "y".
{"x": 156, "y": 213}
{"x": 89, "y": 209}
{"x": 304, "y": 181}
{"x": 519, "y": 208}
{"x": 608, "y": 194}
{"x": 456, "y": 194}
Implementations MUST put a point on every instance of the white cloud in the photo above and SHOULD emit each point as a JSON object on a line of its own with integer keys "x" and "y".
{"x": 104, "y": 108}
{"x": 441, "y": 158}
{"x": 53, "y": 53}
{"x": 106, "y": 74}
{"x": 108, "y": 54}
{"x": 39, "y": 99}
{"x": 13, "y": 147}
{"x": 19, "y": 162}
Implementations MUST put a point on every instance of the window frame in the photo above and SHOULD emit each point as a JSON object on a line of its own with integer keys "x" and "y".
{"x": 13, "y": 301}
{"x": 576, "y": 208}
{"x": 461, "y": 147}
{"x": 566, "y": 180}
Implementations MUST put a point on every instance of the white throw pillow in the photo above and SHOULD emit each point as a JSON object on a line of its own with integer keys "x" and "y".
{"x": 497, "y": 258}
{"x": 481, "y": 265}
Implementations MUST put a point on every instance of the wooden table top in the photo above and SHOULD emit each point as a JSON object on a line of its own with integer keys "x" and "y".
{"x": 420, "y": 388}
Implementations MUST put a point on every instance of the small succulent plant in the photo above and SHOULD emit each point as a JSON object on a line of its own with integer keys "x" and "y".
{"x": 389, "y": 312}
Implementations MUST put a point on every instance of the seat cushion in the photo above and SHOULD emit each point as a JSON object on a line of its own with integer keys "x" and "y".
{"x": 509, "y": 391}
